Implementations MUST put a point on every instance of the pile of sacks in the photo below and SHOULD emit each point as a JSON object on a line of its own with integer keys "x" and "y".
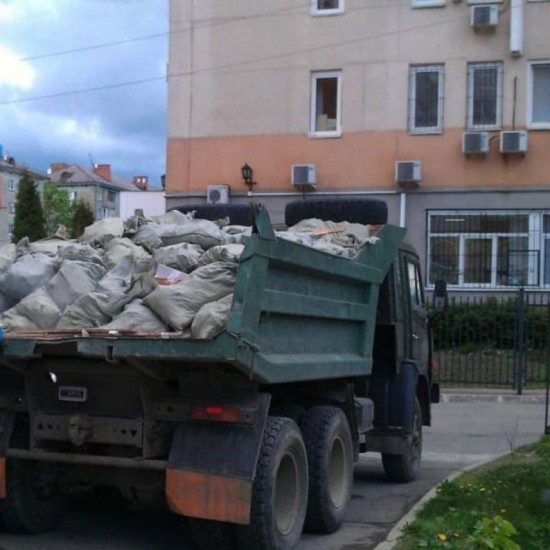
{"x": 171, "y": 273}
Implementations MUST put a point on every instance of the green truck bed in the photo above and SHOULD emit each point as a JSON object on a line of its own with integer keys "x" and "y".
{"x": 298, "y": 314}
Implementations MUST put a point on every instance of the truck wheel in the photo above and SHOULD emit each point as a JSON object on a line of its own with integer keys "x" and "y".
{"x": 330, "y": 459}
{"x": 212, "y": 535}
{"x": 338, "y": 210}
{"x": 405, "y": 467}
{"x": 31, "y": 506}
{"x": 279, "y": 493}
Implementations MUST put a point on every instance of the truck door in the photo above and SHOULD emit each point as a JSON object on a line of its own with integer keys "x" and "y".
{"x": 416, "y": 338}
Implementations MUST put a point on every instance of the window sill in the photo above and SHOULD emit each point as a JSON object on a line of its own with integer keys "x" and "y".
{"x": 440, "y": 4}
{"x": 325, "y": 13}
{"x": 439, "y": 131}
{"x": 325, "y": 135}
{"x": 484, "y": 128}
{"x": 539, "y": 126}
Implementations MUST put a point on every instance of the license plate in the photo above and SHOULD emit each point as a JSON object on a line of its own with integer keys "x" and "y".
{"x": 74, "y": 394}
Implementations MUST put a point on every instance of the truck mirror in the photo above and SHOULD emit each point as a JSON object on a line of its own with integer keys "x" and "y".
{"x": 440, "y": 296}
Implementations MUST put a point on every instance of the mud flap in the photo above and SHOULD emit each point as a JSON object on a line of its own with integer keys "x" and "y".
{"x": 211, "y": 467}
{"x": 7, "y": 419}
{"x": 394, "y": 396}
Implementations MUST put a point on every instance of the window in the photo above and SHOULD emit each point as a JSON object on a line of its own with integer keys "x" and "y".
{"x": 539, "y": 94}
{"x": 485, "y": 249}
{"x": 73, "y": 195}
{"x": 326, "y": 7}
{"x": 427, "y": 3}
{"x": 426, "y": 99}
{"x": 484, "y": 96}
{"x": 11, "y": 207}
{"x": 325, "y": 104}
{"x": 11, "y": 185}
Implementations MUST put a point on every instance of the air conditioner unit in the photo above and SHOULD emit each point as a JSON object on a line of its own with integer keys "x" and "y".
{"x": 303, "y": 174}
{"x": 513, "y": 142}
{"x": 483, "y": 17}
{"x": 408, "y": 171}
{"x": 475, "y": 143}
{"x": 217, "y": 194}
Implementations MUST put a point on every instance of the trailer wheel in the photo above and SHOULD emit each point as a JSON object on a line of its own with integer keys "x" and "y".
{"x": 403, "y": 468}
{"x": 338, "y": 210}
{"x": 279, "y": 493}
{"x": 212, "y": 535}
{"x": 32, "y": 504}
{"x": 330, "y": 458}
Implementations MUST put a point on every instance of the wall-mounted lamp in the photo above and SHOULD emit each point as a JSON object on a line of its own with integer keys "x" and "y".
{"x": 248, "y": 176}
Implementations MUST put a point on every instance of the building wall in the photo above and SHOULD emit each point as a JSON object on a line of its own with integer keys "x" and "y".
{"x": 239, "y": 91}
{"x": 152, "y": 203}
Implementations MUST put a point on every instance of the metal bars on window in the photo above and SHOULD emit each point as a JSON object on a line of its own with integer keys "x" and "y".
{"x": 489, "y": 249}
{"x": 426, "y": 99}
{"x": 484, "y": 96}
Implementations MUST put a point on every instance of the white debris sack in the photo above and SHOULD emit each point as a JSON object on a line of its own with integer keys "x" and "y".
{"x": 28, "y": 273}
{"x": 222, "y": 253}
{"x": 7, "y": 256}
{"x": 137, "y": 316}
{"x": 183, "y": 256}
{"x": 74, "y": 279}
{"x": 102, "y": 231}
{"x": 348, "y": 235}
{"x": 50, "y": 245}
{"x": 300, "y": 238}
{"x": 202, "y": 232}
{"x": 148, "y": 236}
{"x": 211, "y": 319}
{"x": 173, "y": 216}
{"x": 37, "y": 311}
{"x": 236, "y": 234}
{"x": 117, "y": 288}
{"x": 118, "y": 248}
{"x": 177, "y": 304}
{"x": 82, "y": 253}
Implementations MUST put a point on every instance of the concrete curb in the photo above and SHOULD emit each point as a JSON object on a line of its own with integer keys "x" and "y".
{"x": 410, "y": 516}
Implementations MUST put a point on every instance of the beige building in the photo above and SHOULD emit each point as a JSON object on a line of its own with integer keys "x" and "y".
{"x": 440, "y": 107}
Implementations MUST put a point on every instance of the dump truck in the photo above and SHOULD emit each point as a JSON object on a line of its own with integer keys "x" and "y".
{"x": 253, "y": 434}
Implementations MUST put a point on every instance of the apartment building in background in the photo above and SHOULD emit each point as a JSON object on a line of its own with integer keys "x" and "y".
{"x": 439, "y": 107}
{"x": 10, "y": 174}
{"x": 98, "y": 186}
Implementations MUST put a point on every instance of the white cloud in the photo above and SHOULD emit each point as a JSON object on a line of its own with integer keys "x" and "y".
{"x": 12, "y": 10}
{"x": 15, "y": 72}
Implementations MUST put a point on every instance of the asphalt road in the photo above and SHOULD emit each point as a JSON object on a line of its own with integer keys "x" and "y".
{"x": 467, "y": 429}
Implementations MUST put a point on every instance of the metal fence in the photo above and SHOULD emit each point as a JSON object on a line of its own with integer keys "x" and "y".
{"x": 495, "y": 342}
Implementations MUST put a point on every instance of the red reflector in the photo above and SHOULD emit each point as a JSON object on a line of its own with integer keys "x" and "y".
{"x": 216, "y": 414}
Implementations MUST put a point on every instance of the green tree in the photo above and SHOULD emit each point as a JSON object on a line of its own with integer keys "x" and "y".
{"x": 82, "y": 218}
{"x": 58, "y": 208}
{"x": 29, "y": 216}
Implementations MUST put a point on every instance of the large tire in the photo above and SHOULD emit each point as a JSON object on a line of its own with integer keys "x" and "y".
{"x": 329, "y": 448}
{"x": 31, "y": 505}
{"x": 366, "y": 211}
{"x": 238, "y": 214}
{"x": 405, "y": 467}
{"x": 279, "y": 493}
{"x": 212, "y": 535}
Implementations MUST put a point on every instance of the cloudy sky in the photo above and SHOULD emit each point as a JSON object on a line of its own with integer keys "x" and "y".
{"x": 114, "y": 49}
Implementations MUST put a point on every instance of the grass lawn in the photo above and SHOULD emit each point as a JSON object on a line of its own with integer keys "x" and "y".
{"x": 504, "y": 505}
